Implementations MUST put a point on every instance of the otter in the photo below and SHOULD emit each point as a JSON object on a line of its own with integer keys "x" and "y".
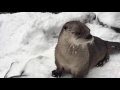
{"x": 78, "y": 51}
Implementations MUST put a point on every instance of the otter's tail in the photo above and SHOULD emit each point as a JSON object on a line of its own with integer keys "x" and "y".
{"x": 113, "y": 47}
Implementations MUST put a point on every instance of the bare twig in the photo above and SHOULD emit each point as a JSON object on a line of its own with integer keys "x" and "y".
{"x": 8, "y": 70}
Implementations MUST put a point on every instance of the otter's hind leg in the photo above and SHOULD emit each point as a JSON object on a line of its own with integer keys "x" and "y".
{"x": 105, "y": 60}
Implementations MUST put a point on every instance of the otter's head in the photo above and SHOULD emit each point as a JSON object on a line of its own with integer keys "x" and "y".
{"x": 76, "y": 33}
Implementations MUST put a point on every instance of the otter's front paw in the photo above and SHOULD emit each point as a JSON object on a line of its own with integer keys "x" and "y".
{"x": 56, "y": 73}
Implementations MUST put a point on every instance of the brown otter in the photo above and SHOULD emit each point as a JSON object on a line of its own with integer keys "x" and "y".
{"x": 78, "y": 51}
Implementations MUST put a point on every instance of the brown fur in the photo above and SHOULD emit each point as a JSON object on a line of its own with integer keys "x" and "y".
{"x": 78, "y": 51}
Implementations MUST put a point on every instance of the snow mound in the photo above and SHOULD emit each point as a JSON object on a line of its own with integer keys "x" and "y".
{"x": 104, "y": 32}
{"x": 110, "y": 18}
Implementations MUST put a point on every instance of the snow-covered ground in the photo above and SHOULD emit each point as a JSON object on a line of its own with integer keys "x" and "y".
{"x": 28, "y": 40}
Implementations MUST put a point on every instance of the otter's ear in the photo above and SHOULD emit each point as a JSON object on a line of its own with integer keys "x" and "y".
{"x": 65, "y": 28}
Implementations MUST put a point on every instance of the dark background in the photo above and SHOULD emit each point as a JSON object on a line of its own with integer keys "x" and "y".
{"x": 15, "y": 12}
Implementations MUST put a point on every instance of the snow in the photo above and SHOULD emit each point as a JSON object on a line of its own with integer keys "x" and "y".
{"x": 29, "y": 38}
{"x": 110, "y": 18}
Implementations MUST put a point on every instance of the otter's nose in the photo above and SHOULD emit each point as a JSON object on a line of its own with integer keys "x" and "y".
{"x": 89, "y": 37}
